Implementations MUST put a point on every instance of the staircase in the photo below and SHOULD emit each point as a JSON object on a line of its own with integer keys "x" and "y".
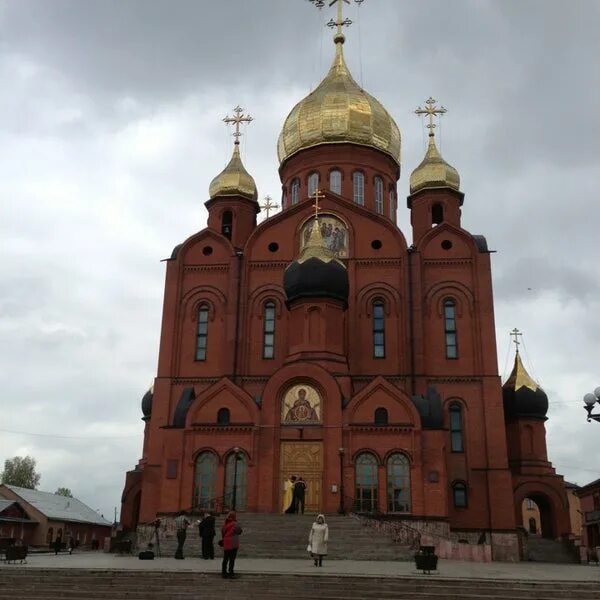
{"x": 286, "y": 536}
{"x": 541, "y": 549}
{"x": 50, "y": 584}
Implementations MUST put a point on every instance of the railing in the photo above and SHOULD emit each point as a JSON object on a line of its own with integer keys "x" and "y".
{"x": 367, "y": 511}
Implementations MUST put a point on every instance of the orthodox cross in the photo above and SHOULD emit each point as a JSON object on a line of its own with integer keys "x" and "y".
{"x": 516, "y": 333}
{"x": 268, "y": 206}
{"x": 238, "y": 117}
{"x": 431, "y": 110}
{"x": 340, "y": 20}
{"x": 317, "y": 196}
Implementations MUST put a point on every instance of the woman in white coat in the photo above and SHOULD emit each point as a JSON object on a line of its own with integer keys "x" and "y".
{"x": 317, "y": 540}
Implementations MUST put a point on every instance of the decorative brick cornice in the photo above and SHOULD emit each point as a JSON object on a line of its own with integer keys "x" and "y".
{"x": 194, "y": 380}
{"x": 377, "y": 262}
{"x": 223, "y": 267}
{"x": 269, "y": 264}
{"x": 382, "y": 429}
{"x": 446, "y": 262}
{"x": 464, "y": 379}
{"x": 213, "y": 428}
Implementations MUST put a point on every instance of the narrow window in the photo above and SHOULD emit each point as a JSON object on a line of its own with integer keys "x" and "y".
{"x": 367, "y": 485}
{"x": 437, "y": 214}
{"x": 202, "y": 337}
{"x": 358, "y": 181}
{"x": 456, "y": 435}
{"x": 398, "y": 483}
{"x": 378, "y": 329}
{"x": 295, "y": 192}
{"x": 313, "y": 183}
{"x": 283, "y": 200}
{"x": 378, "y": 195}
{"x": 450, "y": 328}
{"x": 269, "y": 330}
{"x": 335, "y": 182}
{"x": 381, "y": 416}
{"x": 205, "y": 481}
{"x": 459, "y": 494}
{"x": 227, "y": 224}
{"x": 392, "y": 205}
{"x": 223, "y": 416}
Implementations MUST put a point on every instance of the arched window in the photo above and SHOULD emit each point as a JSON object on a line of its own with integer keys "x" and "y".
{"x": 227, "y": 224}
{"x": 283, "y": 200}
{"x": 459, "y": 494}
{"x": 378, "y": 184}
{"x": 295, "y": 191}
{"x": 381, "y": 416}
{"x": 358, "y": 182}
{"x": 269, "y": 330}
{"x": 366, "y": 483}
{"x": 223, "y": 416}
{"x": 205, "y": 479}
{"x": 378, "y": 329}
{"x": 437, "y": 214}
{"x": 456, "y": 428}
{"x": 398, "y": 483}
{"x": 202, "y": 333}
{"x": 236, "y": 469}
{"x": 450, "y": 328}
{"x": 313, "y": 183}
{"x": 335, "y": 181}
{"x": 392, "y": 205}
{"x": 49, "y": 535}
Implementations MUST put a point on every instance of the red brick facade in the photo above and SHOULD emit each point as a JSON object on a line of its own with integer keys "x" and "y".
{"x": 454, "y": 471}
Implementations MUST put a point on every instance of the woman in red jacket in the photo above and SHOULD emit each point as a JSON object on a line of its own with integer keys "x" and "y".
{"x": 230, "y": 532}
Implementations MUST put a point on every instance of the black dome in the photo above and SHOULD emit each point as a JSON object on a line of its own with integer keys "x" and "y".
{"x": 522, "y": 396}
{"x": 147, "y": 404}
{"x": 315, "y": 278}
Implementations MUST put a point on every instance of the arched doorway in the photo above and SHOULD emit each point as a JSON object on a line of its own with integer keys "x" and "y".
{"x": 205, "y": 480}
{"x": 240, "y": 475}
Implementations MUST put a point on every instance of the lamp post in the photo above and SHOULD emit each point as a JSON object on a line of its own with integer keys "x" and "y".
{"x": 341, "y": 509}
{"x": 589, "y": 401}
{"x": 236, "y": 457}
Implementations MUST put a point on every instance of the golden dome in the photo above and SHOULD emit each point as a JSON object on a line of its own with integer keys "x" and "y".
{"x": 339, "y": 111}
{"x": 434, "y": 171}
{"x": 234, "y": 180}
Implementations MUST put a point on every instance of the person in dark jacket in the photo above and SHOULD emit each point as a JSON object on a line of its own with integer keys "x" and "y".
{"x": 299, "y": 495}
{"x": 230, "y": 532}
{"x": 181, "y": 524}
{"x": 206, "y": 529}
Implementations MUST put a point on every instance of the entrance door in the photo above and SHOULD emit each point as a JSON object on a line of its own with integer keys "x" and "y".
{"x": 303, "y": 459}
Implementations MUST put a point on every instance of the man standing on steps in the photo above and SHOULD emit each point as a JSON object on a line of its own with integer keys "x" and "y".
{"x": 181, "y": 523}
{"x": 299, "y": 495}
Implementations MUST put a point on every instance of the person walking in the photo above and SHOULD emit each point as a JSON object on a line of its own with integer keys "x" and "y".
{"x": 58, "y": 543}
{"x": 71, "y": 544}
{"x": 299, "y": 495}
{"x": 181, "y": 524}
{"x": 230, "y": 541}
{"x": 206, "y": 529}
{"x": 317, "y": 540}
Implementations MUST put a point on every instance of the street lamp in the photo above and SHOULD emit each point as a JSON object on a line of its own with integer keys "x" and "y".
{"x": 589, "y": 401}
{"x": 236, "y": 457}
{"x": 341, "y": 508}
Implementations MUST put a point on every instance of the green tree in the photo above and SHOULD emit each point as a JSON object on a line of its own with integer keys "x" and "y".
{"x": 62, "y": 491}
{"x": 20, "y": 471}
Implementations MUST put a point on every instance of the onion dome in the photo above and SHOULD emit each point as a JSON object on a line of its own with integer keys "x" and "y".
{"x": 234, "y": 180}
{"x": 316, "y": 273}
{"x": 523, "y": 397}
{"x": 147, "y": 403}
{"x": 339, "y": 111}
{"x": 434, "y": 171}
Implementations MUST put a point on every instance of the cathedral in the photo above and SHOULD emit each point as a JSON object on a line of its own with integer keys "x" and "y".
{"x": 323, "y": 343}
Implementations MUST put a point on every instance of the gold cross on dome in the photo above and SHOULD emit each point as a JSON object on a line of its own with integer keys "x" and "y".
{"x": 431, "y": 110}
{"x": 317, "y": 196}
{"x": 238, "y": 117}
{"x": 268, "y": 206}
{"x": 340, "y": 22}
{"x": 516, "y": 333}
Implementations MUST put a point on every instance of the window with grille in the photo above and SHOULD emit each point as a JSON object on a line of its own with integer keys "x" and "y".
{"x": 313, "y": 183}
{"x": 358, "y": 181}
{"x": 335, "y": 182}
{"x": 378, "y": 329}
{"x": 295, "y": 191}
{"x": 456, "y": 427}
{"x": 269, "y": 330}
{"x": 202, "y": 334}
{"x": 450, "y": 328}
{"x": 378, "y": 183}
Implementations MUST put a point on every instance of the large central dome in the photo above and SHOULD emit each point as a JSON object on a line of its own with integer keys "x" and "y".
{"x": 339, "y": 111}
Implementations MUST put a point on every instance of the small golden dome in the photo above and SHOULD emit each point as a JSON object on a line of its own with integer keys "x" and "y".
{"x": 434, "y": 171}
{"x": 234, "y": 180}
{"x": 339, "y": 111}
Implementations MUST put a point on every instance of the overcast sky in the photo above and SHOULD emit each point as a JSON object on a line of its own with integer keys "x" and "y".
{"x": 110, "y": 133}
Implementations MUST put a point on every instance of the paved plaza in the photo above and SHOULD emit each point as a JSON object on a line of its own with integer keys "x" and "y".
{"x": 525, "y": 571}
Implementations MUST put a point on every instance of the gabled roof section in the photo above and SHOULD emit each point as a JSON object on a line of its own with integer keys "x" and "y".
{"x": 58, "y": 507}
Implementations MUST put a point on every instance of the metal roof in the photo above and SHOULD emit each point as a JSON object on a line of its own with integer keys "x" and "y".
{"x": 58, "y": 507}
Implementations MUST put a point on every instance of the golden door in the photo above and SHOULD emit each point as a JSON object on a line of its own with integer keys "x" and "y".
{"x": 303, "y": 459}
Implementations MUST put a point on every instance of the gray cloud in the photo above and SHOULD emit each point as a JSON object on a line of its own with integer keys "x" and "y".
{"x": 110, "y": 133}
